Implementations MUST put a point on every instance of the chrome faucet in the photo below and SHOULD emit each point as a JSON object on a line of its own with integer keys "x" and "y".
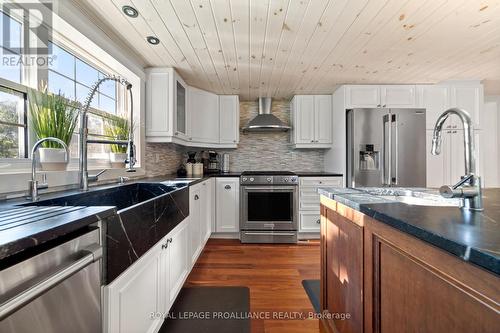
{"x": 33, "y": 183}
{"x": 469, "y": 187}
{"x": 84, "y": 177}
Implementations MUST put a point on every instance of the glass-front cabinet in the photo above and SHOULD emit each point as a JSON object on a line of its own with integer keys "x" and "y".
{"x": 180, "y": 105}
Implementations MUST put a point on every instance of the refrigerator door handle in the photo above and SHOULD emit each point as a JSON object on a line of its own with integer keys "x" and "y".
{"x": 394, "y": 120}
{"x": 387, "y": 148}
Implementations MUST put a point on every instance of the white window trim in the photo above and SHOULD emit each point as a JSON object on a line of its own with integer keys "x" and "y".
{"x": 64, "y": 34}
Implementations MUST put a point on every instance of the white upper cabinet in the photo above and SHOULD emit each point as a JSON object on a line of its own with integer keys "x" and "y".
{"x": 435, "y": 99}
{"x": 398, "y": 96}
{"x": 176, "y": 112}
{"x": 229, "y": 119}
{"x": 470, "y": 98}
{"x": 204, "y": 116}
{"x": 180, "y": 107}
{"x": 311, "y": 121}
{"x": 159, "y": 103}
{"x": 362, "y": 96}
{"x": 376, "y": 96}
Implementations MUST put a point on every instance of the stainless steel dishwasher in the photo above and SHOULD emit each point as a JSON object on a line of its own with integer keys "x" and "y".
{"x": 55, "y": 291}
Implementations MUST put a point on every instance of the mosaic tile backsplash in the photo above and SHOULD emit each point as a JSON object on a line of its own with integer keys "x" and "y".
{"x": 256, "y": 151}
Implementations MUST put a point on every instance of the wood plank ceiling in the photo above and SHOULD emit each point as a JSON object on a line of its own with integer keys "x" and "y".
{"x": 280, "y": 48}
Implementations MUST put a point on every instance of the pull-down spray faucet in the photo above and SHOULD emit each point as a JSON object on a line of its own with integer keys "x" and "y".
{"x": 84, "y": 177}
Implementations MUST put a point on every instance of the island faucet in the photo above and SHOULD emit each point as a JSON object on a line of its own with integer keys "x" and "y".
{"x": 33, "y": 183}
{"x": 84, "y": 177}
{"x": 469, "y": 187}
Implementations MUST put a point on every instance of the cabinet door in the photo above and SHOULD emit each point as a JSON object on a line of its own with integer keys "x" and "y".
{"x": 227, "y": 201}
{"x": 435, "y": 100}
{"x": 206, "y": 211}
{"x": 158, "y": 121}
{"x": 309, "y": 221}
{"x": 304, "y": 119}
{"x": 438, "y": 166}
{"x": 180, "y": 106}
{"x": 470, "y": 98}
{"x": 229, "y": 119}
{"x": 398, "y": 96}
{"x": 362, "y": 96}
{"x": 178, "y": 259}
{"x": 194, "y": 222}
{"x": 204, "y": 116}
{"x": 134, "y": 295}
{"x": 323, "y": 118}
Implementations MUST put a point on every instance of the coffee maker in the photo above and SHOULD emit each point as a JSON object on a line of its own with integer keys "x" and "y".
{"x": 213, "y": 162}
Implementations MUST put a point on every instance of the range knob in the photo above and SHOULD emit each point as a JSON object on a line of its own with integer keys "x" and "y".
{"x": 269, "y": 179}
{"x": 245, "y": 179}
{"x": 252, "y": 179}
{"x": 286, "y": 180}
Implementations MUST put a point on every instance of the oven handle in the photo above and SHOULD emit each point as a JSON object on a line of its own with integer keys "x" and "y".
{"x": 90, "y": 254}
{"x": 270, "y": 188}
{"x": 270, "y": 233}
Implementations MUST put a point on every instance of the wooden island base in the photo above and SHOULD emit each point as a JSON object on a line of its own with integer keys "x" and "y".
{"x": 389, "y": 281}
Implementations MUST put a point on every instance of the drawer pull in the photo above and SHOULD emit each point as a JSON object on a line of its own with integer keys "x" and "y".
{"x": 227, "y": 187}
{"x": 318, "y": 221}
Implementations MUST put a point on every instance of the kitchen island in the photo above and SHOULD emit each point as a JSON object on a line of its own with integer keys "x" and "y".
{"x": 389, "y": 266}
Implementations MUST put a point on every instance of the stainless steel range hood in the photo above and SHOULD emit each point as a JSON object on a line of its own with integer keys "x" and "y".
{"x": 265, "y": 121}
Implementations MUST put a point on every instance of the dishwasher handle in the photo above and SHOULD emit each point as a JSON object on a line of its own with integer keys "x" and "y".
{"x": 89, "y": 255}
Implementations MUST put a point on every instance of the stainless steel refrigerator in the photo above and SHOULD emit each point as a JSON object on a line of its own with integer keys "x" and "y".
{"x": 386, "y": 147}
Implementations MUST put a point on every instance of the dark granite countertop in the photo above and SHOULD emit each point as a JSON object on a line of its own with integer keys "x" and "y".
{"x": 23, "y": 228}
{"x": 472, "y": 236}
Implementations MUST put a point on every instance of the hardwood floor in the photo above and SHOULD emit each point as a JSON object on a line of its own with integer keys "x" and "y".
{"x": 274, "y": 274}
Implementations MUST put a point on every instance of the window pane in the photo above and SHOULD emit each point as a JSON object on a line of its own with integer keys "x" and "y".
{"x": 12, "y": 69}
{"x": 107, "y": 104}
{"x": 13, "y": 40}
{"x": 11, "y": 106}
{"x": 60, "y": 84}
{"x": 11, "y": 141}
{"x": 63, "y": 62}
{"x": 81, "y": 95}
{"x": 86, "y": 74}
{"x": 108, "y": 87}
{"x": 95, "y": 124}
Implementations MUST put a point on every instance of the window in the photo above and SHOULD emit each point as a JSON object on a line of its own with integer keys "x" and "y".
{"x": 13, "y": 70}
{"x": 73, "y": 78}
{"x": 13, "y": 134}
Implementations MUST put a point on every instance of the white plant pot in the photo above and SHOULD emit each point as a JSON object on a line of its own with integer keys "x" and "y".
{"x": 53, "y": 159}
{"x": 117, "y": 160}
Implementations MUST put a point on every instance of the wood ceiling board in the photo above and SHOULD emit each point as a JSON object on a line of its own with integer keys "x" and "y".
{"x": 283, "y": 47}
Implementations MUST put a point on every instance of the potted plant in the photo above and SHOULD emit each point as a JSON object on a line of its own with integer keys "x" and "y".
{"x": 117, "y": 128}
{"x": 52, "y": 115}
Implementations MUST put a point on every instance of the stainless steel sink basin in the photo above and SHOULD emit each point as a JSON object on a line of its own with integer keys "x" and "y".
{"x": 411, "y": 200}
{"x": 417, "y": 197}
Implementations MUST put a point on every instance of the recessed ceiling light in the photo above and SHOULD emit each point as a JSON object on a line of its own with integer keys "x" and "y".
{"x": 130, "y": 11}
{"x": 153, "y": 40}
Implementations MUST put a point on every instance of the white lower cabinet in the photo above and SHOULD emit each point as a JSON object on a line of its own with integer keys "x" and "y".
{"x": 309, "y": 206}
{"x": 200, "y": 217}
{"x": 147, "y": 287}
{"x": 227, "y": 196}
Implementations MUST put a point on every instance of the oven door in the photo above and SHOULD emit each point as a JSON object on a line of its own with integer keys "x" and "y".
{"x": 268, "y": 208}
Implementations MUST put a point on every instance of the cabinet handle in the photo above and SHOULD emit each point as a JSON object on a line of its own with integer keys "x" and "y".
{"x": 169, "y": 240}
{"x": 196, "y": 197}
{"x": 454, "y": 132}
{"x": 227, "y": 187}
{"x": 164, "y": 246}
{"x": 318, "y": 221}
{"x": 379, "y": 105}
{"x": 312, "y": 140}
{"x": 384, "y": 105}
{"x": 455, "y": 126}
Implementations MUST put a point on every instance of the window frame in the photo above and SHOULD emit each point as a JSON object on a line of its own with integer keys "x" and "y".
{"x": 25, "y": 144}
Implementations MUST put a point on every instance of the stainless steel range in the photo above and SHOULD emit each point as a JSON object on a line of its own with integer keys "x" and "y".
{"x": 268, "y": 207}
